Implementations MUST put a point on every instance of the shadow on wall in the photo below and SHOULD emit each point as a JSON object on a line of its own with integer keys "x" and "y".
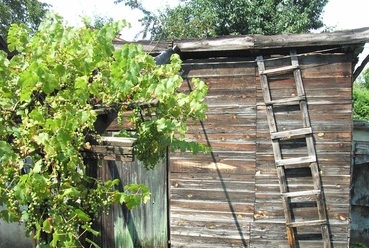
{"x": 13, "y": 235}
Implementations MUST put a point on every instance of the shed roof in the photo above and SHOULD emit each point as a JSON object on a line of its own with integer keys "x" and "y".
{"x": 252, "y": 42}
{"x": 352, "y": 41}
{"x": 257, "y": 42}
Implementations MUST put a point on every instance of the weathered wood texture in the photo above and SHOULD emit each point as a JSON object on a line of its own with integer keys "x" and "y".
{"x": 360, "y": 225}
{"x": 327, "y": 82}
{"x": 213, "y": 195}
{"x": 147, "y": 224}
{"x": 255, "y": 42}
{"x": 359, "y": 189}
{"x": 110, "y": 148}
{"x": 231, "y": 197}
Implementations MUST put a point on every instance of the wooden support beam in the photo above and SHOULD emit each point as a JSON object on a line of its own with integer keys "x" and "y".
{"x": 110, "y": 148}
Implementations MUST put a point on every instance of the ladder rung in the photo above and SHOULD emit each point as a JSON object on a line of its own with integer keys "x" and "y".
{"x": 291, "y": 133}
{"x": 300, "y": 160}
{"x": 287, "y": 101}
{"x": 301, "y": 193}
{"x": 280, "y": 70}
{"x": 307, "y": 223}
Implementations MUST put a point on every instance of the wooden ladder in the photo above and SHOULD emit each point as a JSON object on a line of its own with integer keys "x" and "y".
{"x": 310, "y": 160}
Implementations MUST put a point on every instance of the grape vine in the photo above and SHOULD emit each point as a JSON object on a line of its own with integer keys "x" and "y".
{"x": 47, "y": 96}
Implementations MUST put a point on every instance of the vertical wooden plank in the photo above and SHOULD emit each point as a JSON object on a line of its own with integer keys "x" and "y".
{"x": 146, "y": 225}
{"x": 104, "y": 222}
{"x": 107, "y": 219}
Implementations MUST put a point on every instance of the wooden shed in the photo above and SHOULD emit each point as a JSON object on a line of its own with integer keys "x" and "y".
{"x": 280, "y": 126}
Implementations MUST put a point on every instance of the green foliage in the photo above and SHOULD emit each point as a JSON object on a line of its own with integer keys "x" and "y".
{"x": 192, "y": 20}
{"x": 207, "y": 18}
{"x": 47, "y": 92}
{"x": 134, "y": 4}
{"x": 359, "y": 245}
{"x": 361, "y": 96}
{"x": 29, "y": 12}
{"x": 97, "y": 21}
{"x": 361, "y": 102}
{"x": 365, "y": 78}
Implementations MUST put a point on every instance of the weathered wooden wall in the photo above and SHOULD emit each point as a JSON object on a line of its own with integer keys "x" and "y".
{"x": 145, "y": 225}
{"x": 213, "y": 195}
{"x": 231, "y": 197}
{"x": 360, "y": 184}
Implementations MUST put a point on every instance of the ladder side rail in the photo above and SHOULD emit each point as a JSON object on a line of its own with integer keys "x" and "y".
{"x": 311, "y": 151}
{"x": 276, "y": 150}
{"x": 263, "y": 79}
{"x": 305, "y": 114}
{"x": 271, "y": 120}
{"x": 317, "y": 186}
{"x": 309, "y": 138}
{"x": 310, "y": 145}
{"x": 326, "y": 236}
{"x": 286, "y": 206}
{"x": 297, "y": 74}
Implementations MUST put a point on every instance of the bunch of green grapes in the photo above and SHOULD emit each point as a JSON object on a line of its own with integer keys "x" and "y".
{"x": 151, "y": 146}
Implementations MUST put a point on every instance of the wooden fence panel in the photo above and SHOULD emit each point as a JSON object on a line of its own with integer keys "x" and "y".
{"x": 147, "y": 224}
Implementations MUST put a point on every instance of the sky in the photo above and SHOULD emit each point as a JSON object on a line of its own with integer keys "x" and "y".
{"x": 71, "y": 10}
{"x": 341, "y": 14}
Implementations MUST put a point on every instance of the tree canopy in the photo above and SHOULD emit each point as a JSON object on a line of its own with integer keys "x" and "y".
{"x": 29, "y": 12}
{"x": 208, "y": 18}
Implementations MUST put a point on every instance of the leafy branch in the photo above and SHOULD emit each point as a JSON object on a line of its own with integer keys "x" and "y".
{"x": 47, "y": 96}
